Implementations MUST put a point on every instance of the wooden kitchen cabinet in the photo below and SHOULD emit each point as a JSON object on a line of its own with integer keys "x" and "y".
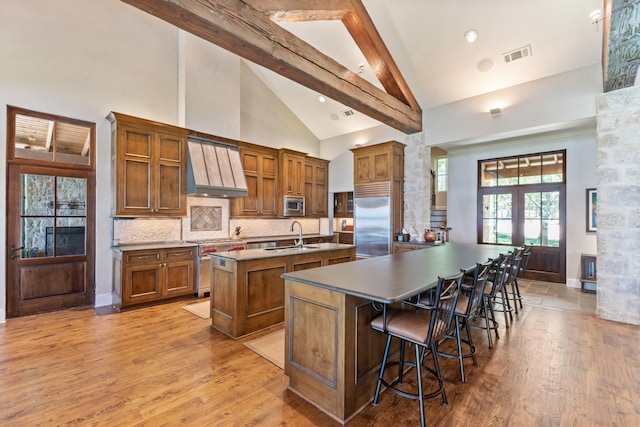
{"x": 260, "y": 166}
{"x": 151, "y": 275}
{"x": 292, "y": 164}
{"x": 150, "y": 161}
{"x": 316, "y": 187}
{"x": 377, "y": 163}
{"x": 379, "y": 171}
{"x": 343, "y": 204}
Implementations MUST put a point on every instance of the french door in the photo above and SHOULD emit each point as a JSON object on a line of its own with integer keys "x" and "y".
{"x": 527, "y": 215}
{"x": 50, "y": 244}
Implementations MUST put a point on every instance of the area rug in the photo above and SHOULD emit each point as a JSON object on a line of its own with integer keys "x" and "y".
{"x": 200, "y": 309}
{"x": 271, "y": 347}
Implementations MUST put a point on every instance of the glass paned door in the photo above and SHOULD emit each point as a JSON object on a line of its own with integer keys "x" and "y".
{"x": 542, "y": 218}
{"x": 52, "y": 216}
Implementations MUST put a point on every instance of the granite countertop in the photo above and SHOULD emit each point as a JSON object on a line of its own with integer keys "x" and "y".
{"x": 257, "y": 239}
{"x": 253, "y": 254}
{"x": 153, "y": 245}
{"x": 393, "y": 278}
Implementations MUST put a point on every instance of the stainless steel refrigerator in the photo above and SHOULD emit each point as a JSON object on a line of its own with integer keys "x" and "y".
{"x": 372, "y": 226}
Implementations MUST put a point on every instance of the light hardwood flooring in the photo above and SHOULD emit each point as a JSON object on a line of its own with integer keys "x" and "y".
{"x": 557, "y": 365}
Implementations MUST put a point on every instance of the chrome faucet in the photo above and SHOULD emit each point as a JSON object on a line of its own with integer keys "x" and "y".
{"x": 299, "y": 243}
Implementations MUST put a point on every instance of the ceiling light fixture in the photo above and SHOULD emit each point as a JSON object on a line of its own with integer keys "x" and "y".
{"x": 321, "y": 99}
{"x": 471, "y": 35}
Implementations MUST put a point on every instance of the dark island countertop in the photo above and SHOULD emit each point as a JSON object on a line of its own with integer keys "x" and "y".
{"x": 253, "y": 254}
{"x": 393, "y": 278}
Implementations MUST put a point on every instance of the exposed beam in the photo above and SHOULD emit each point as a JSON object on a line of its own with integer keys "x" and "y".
{"x": 244, "y": 31}
{"x": 296, "y": 10}
{"x": 366, "y": 36}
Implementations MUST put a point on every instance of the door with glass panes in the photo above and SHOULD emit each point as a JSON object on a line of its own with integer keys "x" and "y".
{"x": 521, "y": 201}
{"x": 50, "y": 213}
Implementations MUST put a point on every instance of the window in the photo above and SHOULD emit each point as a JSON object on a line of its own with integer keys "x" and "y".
{"x": 521, "y": 199}
{"x": 45, "y": 138}
{"x": 522, "y": 170}
{"x": 441, "y": 173}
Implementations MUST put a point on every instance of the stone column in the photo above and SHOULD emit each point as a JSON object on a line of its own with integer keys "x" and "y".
{"x": 618, "y": 209}
{"x": 417, "y": 185}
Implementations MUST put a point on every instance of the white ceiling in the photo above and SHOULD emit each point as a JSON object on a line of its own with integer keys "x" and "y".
{"x": 426, "y": 39}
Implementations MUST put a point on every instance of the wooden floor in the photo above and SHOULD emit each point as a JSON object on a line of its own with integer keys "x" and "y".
{"x": 164, "y": 366}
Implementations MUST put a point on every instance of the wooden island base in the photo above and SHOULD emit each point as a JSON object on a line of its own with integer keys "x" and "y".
{"x": 247, "y": 293}
{"x": 334, "y": 357}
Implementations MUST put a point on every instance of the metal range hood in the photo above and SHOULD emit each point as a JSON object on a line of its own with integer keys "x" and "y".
{"x": 214, "y": 169}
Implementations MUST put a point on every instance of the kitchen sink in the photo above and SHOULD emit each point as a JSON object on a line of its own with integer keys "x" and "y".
{"x": 282, "y": 248}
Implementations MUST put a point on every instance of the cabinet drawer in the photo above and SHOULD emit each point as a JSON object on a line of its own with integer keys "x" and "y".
{"x": 142, "y": 257}
{"x": 181, "y": 253}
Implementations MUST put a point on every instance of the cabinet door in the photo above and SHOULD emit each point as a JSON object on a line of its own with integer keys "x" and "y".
{"x": 381, "y": 161}
{"x": 320, "y": 189}
{"x": 142, "y": 283}
{"x": 372, "y": 166}
{"x": 178, "y": 278}
{"x": 134, "y": 171}
{"x": 316, "y": 188}
{"x": 293, "y": 175}
{"x": 362, "y": 168}
{"x": 267, "y": 185}
{"x": 339, "y": 205}
{"x": 260, "y": 174}
{"x": 170, "y": 188}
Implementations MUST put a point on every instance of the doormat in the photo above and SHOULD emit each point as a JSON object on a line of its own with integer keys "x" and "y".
{"x": 271, "y": 347}
{"x": 200, "y": 309}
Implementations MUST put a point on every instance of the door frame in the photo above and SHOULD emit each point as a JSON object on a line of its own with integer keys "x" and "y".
{"x": 17, "y": 165}
{"x": 13, "y": 266}
{"x": 541, "y": 255}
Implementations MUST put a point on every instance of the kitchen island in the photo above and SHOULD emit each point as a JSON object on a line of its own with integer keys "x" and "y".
{"x": 247, "y": 290}
{"x": 332, "y": 355}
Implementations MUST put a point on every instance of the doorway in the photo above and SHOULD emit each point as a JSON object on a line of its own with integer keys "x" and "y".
{"x": 522, "y": 201}
{"x": 50, "y": 213}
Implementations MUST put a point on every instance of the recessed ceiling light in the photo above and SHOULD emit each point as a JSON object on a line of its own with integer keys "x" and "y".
{"x": 471, "y": 35}
{"x": 334, "y": 116}
{"x": 321, "y": 99}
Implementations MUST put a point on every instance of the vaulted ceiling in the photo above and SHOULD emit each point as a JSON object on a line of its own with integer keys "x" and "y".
{"x": 384, "y": 62}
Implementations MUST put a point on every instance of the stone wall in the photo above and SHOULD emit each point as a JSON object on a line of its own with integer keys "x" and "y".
{"x": 417, "y": 190}
{"x": 618, "y": 209}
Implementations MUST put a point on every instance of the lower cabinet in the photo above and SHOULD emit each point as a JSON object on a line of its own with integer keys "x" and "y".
{"x": 146, "y": 276}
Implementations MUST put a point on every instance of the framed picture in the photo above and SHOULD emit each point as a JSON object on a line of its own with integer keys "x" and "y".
{"x": 592, "y": 199}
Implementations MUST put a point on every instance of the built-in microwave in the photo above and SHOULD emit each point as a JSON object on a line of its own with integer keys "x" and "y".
{"x": 293, "y": 206}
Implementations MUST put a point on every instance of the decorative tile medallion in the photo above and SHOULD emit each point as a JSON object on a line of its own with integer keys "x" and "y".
{"x": 206, "y": 218}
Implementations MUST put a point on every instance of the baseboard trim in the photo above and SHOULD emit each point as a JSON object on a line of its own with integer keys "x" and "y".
{"x": 103, "y": 300}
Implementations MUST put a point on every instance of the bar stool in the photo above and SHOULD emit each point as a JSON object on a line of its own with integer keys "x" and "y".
{"x": 469, "y": 302}
{"x": 424, "y": 325}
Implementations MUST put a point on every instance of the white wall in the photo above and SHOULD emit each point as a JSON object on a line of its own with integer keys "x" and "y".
{"x": 580, "y": 167}
{"x": 547, "y": 104}
{"x": 265, "y": 120}
{"x": 109, "y": 57}
{"x": 84, "y": 59}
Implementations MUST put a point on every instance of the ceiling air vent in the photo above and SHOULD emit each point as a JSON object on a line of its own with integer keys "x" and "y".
{"x": 517, "y": 54}
{"x": 348, "y": 113}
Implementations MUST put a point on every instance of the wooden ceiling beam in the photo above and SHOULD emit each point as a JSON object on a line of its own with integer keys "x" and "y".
{"x": 298, "y": 11}
{"x": 366, "y": 36}
{"x": 239, "y": 28}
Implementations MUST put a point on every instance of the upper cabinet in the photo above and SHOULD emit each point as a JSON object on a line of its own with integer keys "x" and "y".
{"x": 316, "y": 187}
{"x": 291, "y": 172}
{"x": 343, "y": 205}
{"x": 150, "y": 164}
{"x": 260, "y": 166}
{"x": 376, "y": 163}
